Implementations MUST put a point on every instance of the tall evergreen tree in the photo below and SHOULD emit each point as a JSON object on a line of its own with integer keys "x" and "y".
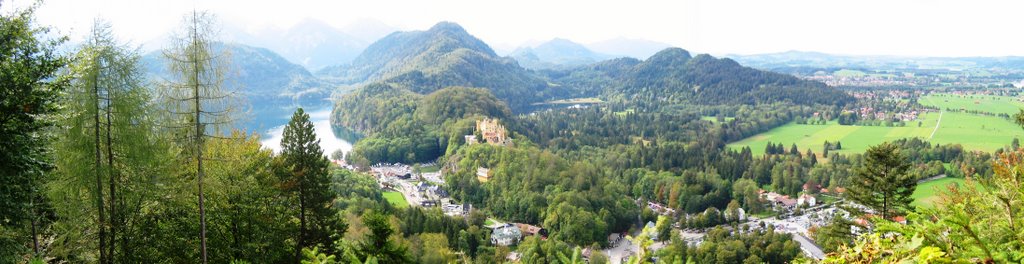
{"x": 196, "y": 98}
{"x": 29, "y": 89}
{"x": 882, "y": 183}
{"x": 309, "y": 179}
{"x": 378, "y": 244}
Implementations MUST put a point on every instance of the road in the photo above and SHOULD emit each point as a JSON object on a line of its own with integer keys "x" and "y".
{"x": 937, "y": 125}
{"x": 809, "y": 248}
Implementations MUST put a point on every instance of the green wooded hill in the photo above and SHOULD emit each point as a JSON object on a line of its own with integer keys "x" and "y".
{"x": 395, "y": 72}
{"x": 445, "y": 55}
{"x": 260, "y": 74}
{"x": 267, "y": 83}
{"x": 674, "y": 75}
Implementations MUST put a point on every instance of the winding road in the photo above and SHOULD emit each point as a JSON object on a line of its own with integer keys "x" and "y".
{"x": 936, "y": 125}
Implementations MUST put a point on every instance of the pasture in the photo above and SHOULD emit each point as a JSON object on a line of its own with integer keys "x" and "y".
{"x": 974, "y": 132}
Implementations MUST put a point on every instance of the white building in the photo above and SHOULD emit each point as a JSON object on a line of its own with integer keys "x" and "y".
{"x": 806, "y": 199}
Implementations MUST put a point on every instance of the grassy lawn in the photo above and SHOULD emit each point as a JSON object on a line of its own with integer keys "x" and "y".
{"x": 427, "y": 169}
{"x": 987, "y": 103}
{"x": 930, "y": 192}
{"x": 974, "y": 132}
{"x": 396, "y": 199}
{"x": 848, "y": 73}
{"x": 765, "y": 214}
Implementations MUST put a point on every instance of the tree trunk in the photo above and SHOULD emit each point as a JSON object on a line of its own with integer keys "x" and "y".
{"x": 199, "y": 135}
{"x": 35, "y": 236}
{"x": 113, "y": 180}
{"x": 98, "y": 163}
{"x": 302, "y": 222}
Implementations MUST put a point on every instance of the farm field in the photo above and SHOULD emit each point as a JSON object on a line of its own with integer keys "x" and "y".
{"x": 396, "y": 199}
{"x": 987, "y": 103}
{"x": 928, "y": 193}
{"x": 974, "y": 132}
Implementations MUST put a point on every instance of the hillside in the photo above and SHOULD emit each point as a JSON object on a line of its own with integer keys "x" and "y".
{"x": 445, "y": 55}
{"x": 556, "y": 53}
{"x": 674, "y": 73}
{"x": 310, "y": 43}
{"x": 267, "y": 81}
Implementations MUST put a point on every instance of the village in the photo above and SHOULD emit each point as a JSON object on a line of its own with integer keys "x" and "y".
{"x": 798, "y": 215}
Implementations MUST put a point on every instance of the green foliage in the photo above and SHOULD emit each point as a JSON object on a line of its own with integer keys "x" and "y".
{"x": 356, "y": 192}
{"x": 108, "y": 149}
{"x": 535, "y": 250}
{"x": 308, "y": 179}
{"x": 29, "y": 90}
{"x": 834, "y": 235}
{"x": 673, "y": 75}
{"x": 378, "y": 243}
{"x": 746, "y": 246}
{"x": 405, "y": 127}
{"x": 574, "y": 258}
{"x": 882, "y": 183}
{"x": 314, "y": 256}
{"x": 872, "y": 248}
{"x": 576, "y": 200}
{"x": 446, "y": 55}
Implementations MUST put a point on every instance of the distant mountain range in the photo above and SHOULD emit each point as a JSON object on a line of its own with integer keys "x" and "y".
{"x": 446, "y": 55}
{"x": 557, "y": 53}
{"x": 313, "y": 43}
{"x": 267, "y": 82}
{"x": 787, "y": 61}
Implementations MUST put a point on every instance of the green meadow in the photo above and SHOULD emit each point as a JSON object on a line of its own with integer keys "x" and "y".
{"x": 986, "y": 103}
{"x": 974, "y": 132}
{"x": 396, "y": 199}
{"x": 928, "y": 193}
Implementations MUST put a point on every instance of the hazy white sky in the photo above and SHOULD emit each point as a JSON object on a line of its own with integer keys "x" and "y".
{"x": 879, "y": 27}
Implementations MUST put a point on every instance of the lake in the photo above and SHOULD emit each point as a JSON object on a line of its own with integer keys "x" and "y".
{"x": 329, "y": 142}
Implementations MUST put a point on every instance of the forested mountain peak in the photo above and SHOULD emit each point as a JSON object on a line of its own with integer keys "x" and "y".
{"x": 670, "y": 57}
{"x": 401, "y": 51}
{"x": 444, "y": 55}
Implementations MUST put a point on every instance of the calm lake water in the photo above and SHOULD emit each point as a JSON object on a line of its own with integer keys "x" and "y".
{"x": 329, "y": 142}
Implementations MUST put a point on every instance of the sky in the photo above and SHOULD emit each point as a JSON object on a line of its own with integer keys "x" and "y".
{"x": 851, "y": 27}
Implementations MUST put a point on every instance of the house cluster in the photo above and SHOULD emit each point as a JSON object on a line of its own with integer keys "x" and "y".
{"x": 785, "y": 202}
{"x": 457, "y": 209}
{"x": 425, "y": 188}
{"x": 382, "y": 171}
{"x": 507, "y": 234}
{"x": 491, "y": 132}
{"x": 870, "y": 113}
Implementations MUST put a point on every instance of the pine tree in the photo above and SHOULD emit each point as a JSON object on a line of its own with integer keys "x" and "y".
{"x": 882, "y": 182}
{"x": 309, "y": 179}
